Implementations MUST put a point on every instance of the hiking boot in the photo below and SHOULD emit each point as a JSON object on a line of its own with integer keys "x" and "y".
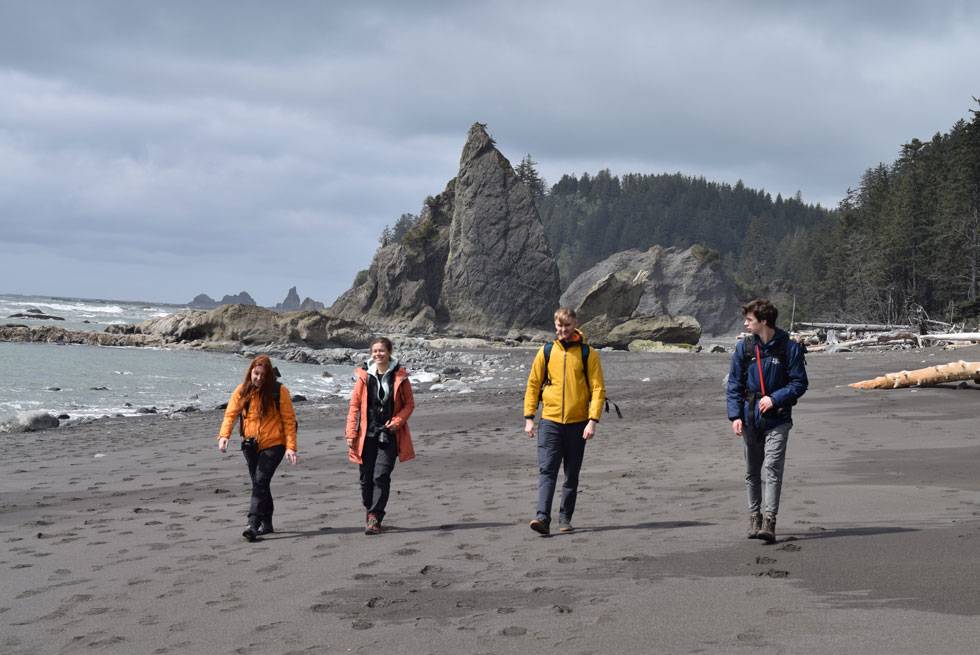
{"x": 768, "y": 530}
{"x": 265, "y": 527}
{"x": 541, "y": 526}
{"x": 565, "y": 525}
{"x": 373, "y": 525}
{"x": 755, "y": 524}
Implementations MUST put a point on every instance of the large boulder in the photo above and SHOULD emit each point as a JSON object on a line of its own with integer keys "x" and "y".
{"x": 477, "y": 261}
{"x": 658, "y": 282}
{"x": 667, "y": 329}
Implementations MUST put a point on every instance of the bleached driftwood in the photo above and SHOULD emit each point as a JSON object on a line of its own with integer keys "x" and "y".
{"x": 957, "y": 336}
{"x": 882, "y": 339}
{"x": 855, "y": 327}
{"x": 924, "y": 377}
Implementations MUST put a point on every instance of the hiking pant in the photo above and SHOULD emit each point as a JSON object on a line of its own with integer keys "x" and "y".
{"x": 765, "y": 450}
{"x": 377, "y": 463}
{"x": 261, "y": 467}
{"x": 559, "y": 443}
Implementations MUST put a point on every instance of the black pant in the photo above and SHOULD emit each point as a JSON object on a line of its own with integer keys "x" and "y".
{"x": 557, "y": 444}
{"x": 261, "y": 467}
{"x": 377, "y": 463}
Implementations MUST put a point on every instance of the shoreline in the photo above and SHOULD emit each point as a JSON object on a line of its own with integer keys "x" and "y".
{"x": 140, "y": 549}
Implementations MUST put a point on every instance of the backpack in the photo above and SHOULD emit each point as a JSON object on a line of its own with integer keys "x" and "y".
{"x": 585, "y": 369}
{"x": 244, "y": 412}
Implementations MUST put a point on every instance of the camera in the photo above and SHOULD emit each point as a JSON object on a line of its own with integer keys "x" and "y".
{"x": 384, "y": 435}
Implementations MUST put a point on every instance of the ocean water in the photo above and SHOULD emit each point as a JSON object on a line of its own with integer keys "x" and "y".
{"x": 92, "y": 381}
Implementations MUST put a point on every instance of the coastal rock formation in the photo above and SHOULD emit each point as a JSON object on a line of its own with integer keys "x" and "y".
{"x": 252, "y": 325}
{"x": 292, "y": 303}
{"x": 36, "y": 314}
{"x": 204, "y": 301}
{"x": 51, "y": 334}
{"x": 661, "y": 282}
{"x": 477, "y": 261}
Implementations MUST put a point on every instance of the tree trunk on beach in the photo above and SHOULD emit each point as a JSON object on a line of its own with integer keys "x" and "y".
{"x": 924, "y": 377}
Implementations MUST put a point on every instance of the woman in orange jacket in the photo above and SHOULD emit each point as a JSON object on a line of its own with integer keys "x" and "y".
{"x": 267, "y": 423}
{"x": 377, "y": 427}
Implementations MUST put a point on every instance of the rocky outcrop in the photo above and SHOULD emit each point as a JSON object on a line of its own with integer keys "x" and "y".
{"x": 51, "y": 334}
{"x": 204, "y": 301}
{"x": 661, "y": 282}
{"x": 249, "y": 325}
{"x": 31, "y": 422}
{"x": 292, "y": 303}
{"x": 476, "y": 262}
{"x": 37, "y": 314}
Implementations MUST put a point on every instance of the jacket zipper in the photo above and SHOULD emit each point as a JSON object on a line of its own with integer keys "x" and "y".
{"x": 564, "y": 364}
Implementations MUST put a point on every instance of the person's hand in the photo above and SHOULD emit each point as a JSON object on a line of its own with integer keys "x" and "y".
{"x": 222, "y": 444}
{"x": 589, "y": 430}
{"x": 737, "y": 427}
{"x": 765, "y": 404}
{"x": 529, "y": 428}
{"x": 290, "y": 455}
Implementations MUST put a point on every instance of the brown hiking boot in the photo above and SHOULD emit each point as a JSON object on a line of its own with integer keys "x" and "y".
{"x": 768, "y": 531}
{"x": 755, "y": 524}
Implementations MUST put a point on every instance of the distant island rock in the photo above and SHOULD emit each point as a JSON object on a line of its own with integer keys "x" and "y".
{"x": 293, "y": 304}
{"x": 477, "y": 262}
{"x": 37, "y": 315}
{"x": 204, "y": 301}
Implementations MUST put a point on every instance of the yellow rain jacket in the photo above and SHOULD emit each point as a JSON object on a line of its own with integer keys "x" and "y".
{"x": 566, "y": 397}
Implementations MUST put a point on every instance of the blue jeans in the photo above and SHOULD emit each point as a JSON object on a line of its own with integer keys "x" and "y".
{"x": 559, "y": 443}
{"x": 765, "y": 450}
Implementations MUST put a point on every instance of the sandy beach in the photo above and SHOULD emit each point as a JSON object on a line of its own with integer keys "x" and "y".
{"x": 124, "y": 536}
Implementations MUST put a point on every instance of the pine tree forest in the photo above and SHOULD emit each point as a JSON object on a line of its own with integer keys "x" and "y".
{"x": 904, "y": 242}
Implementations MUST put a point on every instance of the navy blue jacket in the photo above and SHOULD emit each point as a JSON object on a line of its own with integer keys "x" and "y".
{"x": 785, "y": 381}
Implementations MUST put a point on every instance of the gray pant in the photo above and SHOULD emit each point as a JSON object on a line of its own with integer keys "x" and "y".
{"x": 765, "y": 450}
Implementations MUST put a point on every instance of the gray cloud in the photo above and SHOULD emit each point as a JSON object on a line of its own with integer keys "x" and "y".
{"x": 158, "y": 150}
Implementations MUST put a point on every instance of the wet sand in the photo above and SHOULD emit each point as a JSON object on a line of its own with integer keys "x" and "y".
{"x": 124, "y": 536}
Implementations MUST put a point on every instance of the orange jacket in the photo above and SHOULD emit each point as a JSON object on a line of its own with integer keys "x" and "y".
{"x": 272, "y": 428}
{"x": 357, "y": 415}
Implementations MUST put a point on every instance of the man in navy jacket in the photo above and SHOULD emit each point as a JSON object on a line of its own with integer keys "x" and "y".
{"x": 766, "y": 378}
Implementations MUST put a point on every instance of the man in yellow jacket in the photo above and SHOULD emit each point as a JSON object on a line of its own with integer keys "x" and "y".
{"x": 566, "y": 377}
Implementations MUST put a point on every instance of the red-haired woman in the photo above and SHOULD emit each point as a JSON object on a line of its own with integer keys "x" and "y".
{"x": 268, "y": 428}
{"x": 377, "y": 427}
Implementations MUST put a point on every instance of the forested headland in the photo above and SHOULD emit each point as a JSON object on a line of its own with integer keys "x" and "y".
{"x": 904, "y": 241}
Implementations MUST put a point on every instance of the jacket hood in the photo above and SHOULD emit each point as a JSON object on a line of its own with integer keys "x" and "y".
{"x": 373, "y": 367}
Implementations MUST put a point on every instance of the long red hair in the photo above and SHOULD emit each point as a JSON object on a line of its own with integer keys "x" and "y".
{"x": 268, "y": 391}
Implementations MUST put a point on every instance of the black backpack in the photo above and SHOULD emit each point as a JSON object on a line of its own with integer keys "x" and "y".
{"x": 585, "y": 369}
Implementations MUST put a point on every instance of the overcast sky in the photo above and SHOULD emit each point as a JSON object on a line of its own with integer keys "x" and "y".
{"x": 157, "y": 150}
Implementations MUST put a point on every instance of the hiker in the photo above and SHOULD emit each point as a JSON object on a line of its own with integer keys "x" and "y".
{"x": 377, "y": 428}
{"x": 267, "y": 424}
{"x": 766, "y": 378}
{"x": 566, "y": 377}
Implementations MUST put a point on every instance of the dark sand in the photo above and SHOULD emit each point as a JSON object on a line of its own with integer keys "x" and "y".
{"x": 139, "y": 551}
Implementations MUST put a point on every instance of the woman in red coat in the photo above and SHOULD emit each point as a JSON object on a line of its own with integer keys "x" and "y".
{"x": 377, "y": 427}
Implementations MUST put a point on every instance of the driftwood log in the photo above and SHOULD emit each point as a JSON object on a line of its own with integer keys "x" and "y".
{"x": 924, "y": 377}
